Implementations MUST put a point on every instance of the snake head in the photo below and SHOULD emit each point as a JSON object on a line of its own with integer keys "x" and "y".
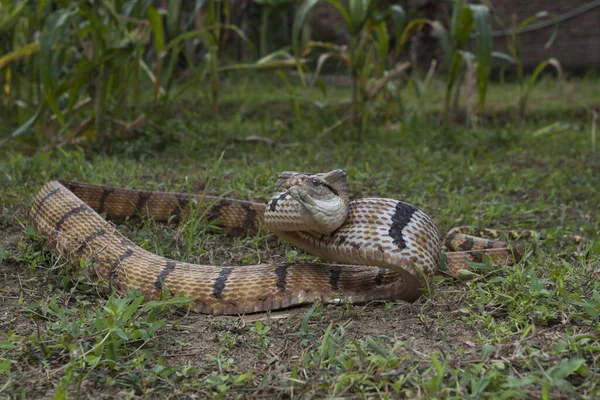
{"x": 323, "y": 198}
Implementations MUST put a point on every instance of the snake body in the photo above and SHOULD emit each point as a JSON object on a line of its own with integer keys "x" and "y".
{"x": 382, "y": 249}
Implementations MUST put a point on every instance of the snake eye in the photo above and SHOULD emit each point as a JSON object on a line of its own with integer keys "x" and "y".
{"x": 315, "y": 181}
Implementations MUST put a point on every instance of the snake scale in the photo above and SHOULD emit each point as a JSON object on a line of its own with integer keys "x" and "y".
{"x": 373, "y": 248}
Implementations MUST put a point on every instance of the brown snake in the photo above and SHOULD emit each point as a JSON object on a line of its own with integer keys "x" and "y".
{"x": 395, "y": 248}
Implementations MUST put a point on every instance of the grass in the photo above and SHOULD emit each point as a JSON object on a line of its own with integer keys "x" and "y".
{"x": 531, "y": 330}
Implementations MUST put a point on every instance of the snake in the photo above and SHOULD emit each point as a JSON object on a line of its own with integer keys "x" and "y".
{"x": 371, "y": 249}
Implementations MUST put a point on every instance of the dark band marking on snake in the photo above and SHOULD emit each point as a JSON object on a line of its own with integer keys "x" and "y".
{"x": 221, "y": 282}
{"x": 169, "y": 267}
{"x": 400, "y": 220}
{"x": 71, "y": 213}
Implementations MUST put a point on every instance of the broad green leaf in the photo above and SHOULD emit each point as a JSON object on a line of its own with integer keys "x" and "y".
{"x": 157, "y": 28}
{"x": 457, "y": 16}
{"x": 399, "y": 19}
{"x": 131, "y": 309}
{"x": 173, "y": 17}
{"x": 484, "y": 44}
{"x": 566, "y": 367}
{"x": 461, "y": 36}
{"x": 358, "y": 14}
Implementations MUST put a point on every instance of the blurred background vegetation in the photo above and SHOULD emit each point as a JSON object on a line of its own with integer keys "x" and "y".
{"x": 79, "y": 72}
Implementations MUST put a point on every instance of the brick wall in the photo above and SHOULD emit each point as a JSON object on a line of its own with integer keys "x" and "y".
{"x": 577, "y": 45}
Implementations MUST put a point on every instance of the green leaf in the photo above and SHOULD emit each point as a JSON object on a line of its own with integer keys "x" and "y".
{"x": 486, "y": 350}
{"x": 131, "y": 309}
{"x": 299, "y": 18}
{"x": 413, "y": 27}
{"x": 454, "y": 68}
{"x": 484, "y": 44}
{"x": 539, "y": 69}
{"x": 1, "y": 253}
{"x": 382, "y": 45}
{"x": 173, "y": 17}
{"x": 377, "y": 347}
{"x": 399, "y": 19}
{"x": 541, "y": 15}
{"x": 246, "y": 376}
{"x": 503, "y": 56}
{"x": 566, "y": 367}
{"x": 157, "y": 28}
{"x": 358, "y": 15}
{"x": 4, "y": 365}
{"x": 6, "y": 345}
{"x": 456, "y": 21}
{"x": 462, "y": 35}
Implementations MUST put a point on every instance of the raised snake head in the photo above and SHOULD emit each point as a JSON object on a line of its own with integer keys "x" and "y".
{"x": 323, "y": 197}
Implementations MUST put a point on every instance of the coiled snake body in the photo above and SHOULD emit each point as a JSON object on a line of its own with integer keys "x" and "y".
{"x": 393, "y": 247}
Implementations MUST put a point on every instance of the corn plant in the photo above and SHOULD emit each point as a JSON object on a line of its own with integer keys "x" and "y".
{"x": 466, "y": 18}
{"x": 515, "y": 57}
{"x": 75, "y": 64}
{"x": 365, "y": 56}
{"x": 85, "y": 65}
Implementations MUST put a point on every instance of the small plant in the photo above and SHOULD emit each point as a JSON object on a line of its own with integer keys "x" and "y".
{"x": 365, "y": 56}
{"x": 516, "y": 58}
{"x": 262, "y": 337}
{"x": 466, "y": 18}
{"x": 120, "y": 331}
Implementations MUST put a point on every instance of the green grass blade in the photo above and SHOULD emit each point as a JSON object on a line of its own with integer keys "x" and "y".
{"x": 484, "y": 44}
{"x": 539, "y": 69}
{"x": 541, "y": 15}
{"x": 413, "y": 27}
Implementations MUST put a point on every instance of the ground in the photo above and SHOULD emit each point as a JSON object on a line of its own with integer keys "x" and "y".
{"x": 529, "y": 330}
